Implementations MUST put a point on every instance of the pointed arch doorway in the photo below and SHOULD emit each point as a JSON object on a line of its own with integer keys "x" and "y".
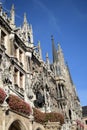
{"x": 17, "y": 125}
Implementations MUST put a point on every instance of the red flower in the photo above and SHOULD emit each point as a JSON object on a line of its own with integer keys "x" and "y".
{"x": 2, "y": 95}
{"x": 19, "y": 105}
{"x": 41, "y": 117}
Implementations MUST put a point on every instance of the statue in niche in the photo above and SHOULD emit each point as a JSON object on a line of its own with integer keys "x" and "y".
{"x": 6, "y": 70}
{"x": 38, "y": 90}
{"x": 29, "y": 95}
{"x": 6, "y": 73}
{"x": 39, "y": 102}
{"x": 47, "y": 99}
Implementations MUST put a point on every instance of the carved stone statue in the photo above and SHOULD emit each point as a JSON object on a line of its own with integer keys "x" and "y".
{"x": 6, "y": 72}
{"x": 29, "y": 95}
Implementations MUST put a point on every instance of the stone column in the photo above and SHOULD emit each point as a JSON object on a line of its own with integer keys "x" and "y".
{"x": 3, "y": 115}
{"x": 18, "y": 78}
{"x": 1, "y": 83}
{"x": 3, "y": 123}
{"x": 57, "y": 91}
{"x": 18, "y": 53}
{"x": 28, "y": 58}
{"x": 11, "y": 48}
{"x": 11, "y": 37}
{"x": 62, "y": 91}
{"x": 22, "y": 57}
{"x": 23, "y": 80}
{"x": 45, "y": 100}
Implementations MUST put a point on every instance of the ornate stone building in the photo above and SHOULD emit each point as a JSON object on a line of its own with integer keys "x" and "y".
{"x": 23, "y": 73}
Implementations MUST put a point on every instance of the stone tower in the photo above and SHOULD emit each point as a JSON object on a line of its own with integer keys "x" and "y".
{"x": 30, "y": 87}
{"x": 66, "y": 92}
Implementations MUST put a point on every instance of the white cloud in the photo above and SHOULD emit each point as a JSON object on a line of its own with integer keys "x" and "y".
{"x": 52, "y": 19}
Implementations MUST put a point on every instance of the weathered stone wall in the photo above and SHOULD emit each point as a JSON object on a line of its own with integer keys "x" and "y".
{"x": 1, "y": 119}
{"x": 47, "y": 126}
{"x": 7, "y": 118}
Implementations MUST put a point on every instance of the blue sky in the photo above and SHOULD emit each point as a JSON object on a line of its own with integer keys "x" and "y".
{"x": 66, "y": 20}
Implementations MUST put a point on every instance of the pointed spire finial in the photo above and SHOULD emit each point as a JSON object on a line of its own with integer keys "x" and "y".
{"x": 25, "y": 18}
{"x": 60, "y": 55}
{"x": 39, "y": 44}
{"x": 54, "y": 50}
{"x": 12, "y": 6}
{"x": 52, "y": 38}
{"x": 59, "y": 47}
{"x": 0, "y": 8}
{"x": 46, "y": 55}
{"x": 47, "y": 61}
{"x": 39, "y": 50}
{"x": 12, "y": 15}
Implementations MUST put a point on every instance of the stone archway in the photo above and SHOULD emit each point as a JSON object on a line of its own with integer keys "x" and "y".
{"x": 38, "y": 128}
{"x": 16, "y": 125}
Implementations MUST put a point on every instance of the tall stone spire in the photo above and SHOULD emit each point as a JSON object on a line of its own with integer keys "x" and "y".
{"x": 27, "y": 32}
{"x": 12, "y": 16}
{"x": 69, "y": 73}
{"x": 25, "y": 18}
{"x": 54, "y": 50}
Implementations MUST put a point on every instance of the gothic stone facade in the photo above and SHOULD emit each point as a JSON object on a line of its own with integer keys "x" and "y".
{"x": 46, "y": 86}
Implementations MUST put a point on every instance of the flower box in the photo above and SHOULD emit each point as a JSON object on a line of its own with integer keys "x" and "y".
{"x": 2, "y": 95}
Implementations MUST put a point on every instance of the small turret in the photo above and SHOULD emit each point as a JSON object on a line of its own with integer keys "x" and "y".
{"x": 39, "y": 50}
{"x": 27, "y": 32}
{"x": 12, "y": 17}
{"x": 60, "y": 56}
{"x": 47, "y": 61}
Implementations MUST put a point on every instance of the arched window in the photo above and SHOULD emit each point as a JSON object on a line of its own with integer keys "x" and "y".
{"x": 38, "y": 128}
{"x": 70, "y": 114}
{"x": 17, "y": 125}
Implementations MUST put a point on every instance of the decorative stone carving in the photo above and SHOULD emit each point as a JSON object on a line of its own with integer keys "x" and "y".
{"x": 29, "y": 95}
{"x": 6, "y": 73}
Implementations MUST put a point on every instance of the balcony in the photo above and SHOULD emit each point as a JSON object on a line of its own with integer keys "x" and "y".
{"x": 61, "y": 98}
